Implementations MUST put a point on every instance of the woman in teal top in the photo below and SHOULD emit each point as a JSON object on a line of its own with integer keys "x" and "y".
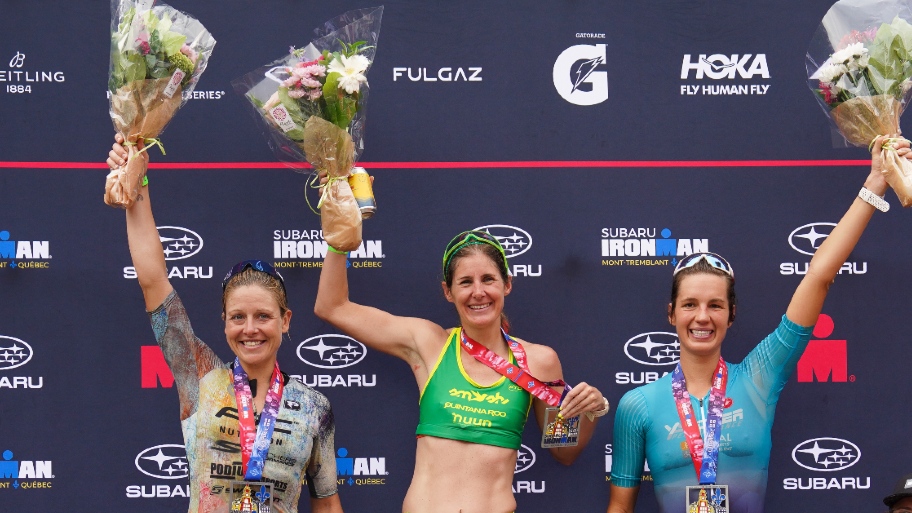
{"x": 471, "y": 417}
{"x": 648, "y": 424}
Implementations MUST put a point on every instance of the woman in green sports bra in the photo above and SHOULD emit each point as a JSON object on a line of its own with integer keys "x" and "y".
{"x": 471, "y": 416}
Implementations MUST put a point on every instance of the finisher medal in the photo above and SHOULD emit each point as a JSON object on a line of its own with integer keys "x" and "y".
{"x": 707, "y": 499}
{"x": 559, "y": 431}
{"x": 250, "y": 497}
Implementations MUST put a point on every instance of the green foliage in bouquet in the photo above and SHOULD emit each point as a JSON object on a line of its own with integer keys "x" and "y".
{"x": 891, "y": 57}
{"x": 328, "y": 87}
{"x": 869, "y": 63}
{"x": 145, "y": 47}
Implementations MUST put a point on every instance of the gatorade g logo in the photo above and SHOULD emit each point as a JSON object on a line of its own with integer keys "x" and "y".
{"x": 577, "y": 76}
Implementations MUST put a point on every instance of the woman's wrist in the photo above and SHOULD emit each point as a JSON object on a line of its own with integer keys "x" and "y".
{"x": 592, "y": 415}
{"x": 876, "y": 184}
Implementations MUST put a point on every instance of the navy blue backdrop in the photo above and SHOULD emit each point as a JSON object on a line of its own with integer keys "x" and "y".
{"x": 649, "y": 149}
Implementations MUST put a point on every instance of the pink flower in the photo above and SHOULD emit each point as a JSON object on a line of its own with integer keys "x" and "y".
{"x": 313, "y": 94}
{"x": 296, "y": 93}
{"x": 856, "y": 36}
{"x": 827, "y": 92}
{"x": 144, "y": 47}
{"x": 316, "y": 70}
{"x": 191, "y": 54}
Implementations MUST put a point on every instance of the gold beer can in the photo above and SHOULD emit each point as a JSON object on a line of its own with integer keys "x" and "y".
{"x": 360, "y": 184}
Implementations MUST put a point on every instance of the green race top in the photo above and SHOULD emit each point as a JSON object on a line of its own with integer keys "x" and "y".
{"x": 454, "y": 406}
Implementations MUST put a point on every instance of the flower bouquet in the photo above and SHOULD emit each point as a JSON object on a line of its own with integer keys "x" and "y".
{"x": 157, "y": 54}
{"x": 311, "y": 104}
{"x": 860, "y": 68}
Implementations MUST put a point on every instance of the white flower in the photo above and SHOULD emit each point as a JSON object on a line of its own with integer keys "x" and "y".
{"x": 830, "y": 72}
{"x": 351, "y": 71}
{"x": 851, "y": 56}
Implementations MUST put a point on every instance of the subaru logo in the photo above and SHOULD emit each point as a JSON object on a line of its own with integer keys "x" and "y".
{"x": 515, "y": 241}
{"x": 826, "y": 454}
{"x": 525, "y": 458}
{"x": 179, "y": 243}
{"x": 167, "y": 461}
{"x": 331, "y": 351}
{"x": 806, "y": 239}
{"x": 654, "y": 348}
{"x": 13, "y": 353}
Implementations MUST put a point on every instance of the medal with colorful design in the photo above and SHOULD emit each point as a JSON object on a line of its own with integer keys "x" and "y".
{"x": 707, "y": 499}
{"x": 250, "y": 497}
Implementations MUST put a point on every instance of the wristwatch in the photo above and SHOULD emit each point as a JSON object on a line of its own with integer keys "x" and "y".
{"x": 873, "y": 200}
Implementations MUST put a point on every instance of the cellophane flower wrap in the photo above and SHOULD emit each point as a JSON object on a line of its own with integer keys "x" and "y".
{"x": 859, "y": 66}
{"x": 157, "y": 56}
{"x": 311, "y": 104}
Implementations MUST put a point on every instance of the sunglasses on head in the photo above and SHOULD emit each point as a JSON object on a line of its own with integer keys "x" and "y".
{"x": 256, "y": 265}
{"x": 710, "y": 258}
{"x": 469, "y": 238}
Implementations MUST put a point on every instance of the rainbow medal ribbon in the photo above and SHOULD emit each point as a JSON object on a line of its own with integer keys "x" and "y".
{"x": 558, "y": 431}
{"x": 253, "y": 494}
{"x": 707, "y": 497}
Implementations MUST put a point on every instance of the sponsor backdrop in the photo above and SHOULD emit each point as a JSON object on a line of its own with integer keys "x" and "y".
{"x": 600, "y": 141}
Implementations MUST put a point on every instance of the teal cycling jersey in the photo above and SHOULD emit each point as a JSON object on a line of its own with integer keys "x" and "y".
{"x": 647, "y": 427}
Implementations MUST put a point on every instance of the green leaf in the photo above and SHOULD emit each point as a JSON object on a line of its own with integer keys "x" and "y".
{"x": 331, "y": 97}
{"x": 904, "y": 31}
{"x": 127, "y": 20}
{"x": 164, "y": 25}
{"x": 150, "y": 19}
{"x": 134, "y": 67}
{"x": 172, "y": 42}
{"x": 294, "y": 110}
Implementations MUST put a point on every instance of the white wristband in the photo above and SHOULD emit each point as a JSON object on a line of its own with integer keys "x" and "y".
{"x": 873, "y": 200}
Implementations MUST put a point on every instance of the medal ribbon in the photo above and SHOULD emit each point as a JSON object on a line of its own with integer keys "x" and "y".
{"x": 518, "y": 374}
{"x": 255, "y": 441}
{"x": 705, "y": 457}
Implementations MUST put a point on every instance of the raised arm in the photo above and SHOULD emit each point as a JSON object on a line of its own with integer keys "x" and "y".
{"x": 808, "y": 298}
{"x": 145, "y": 244}
{"x": 380, "y": 330}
